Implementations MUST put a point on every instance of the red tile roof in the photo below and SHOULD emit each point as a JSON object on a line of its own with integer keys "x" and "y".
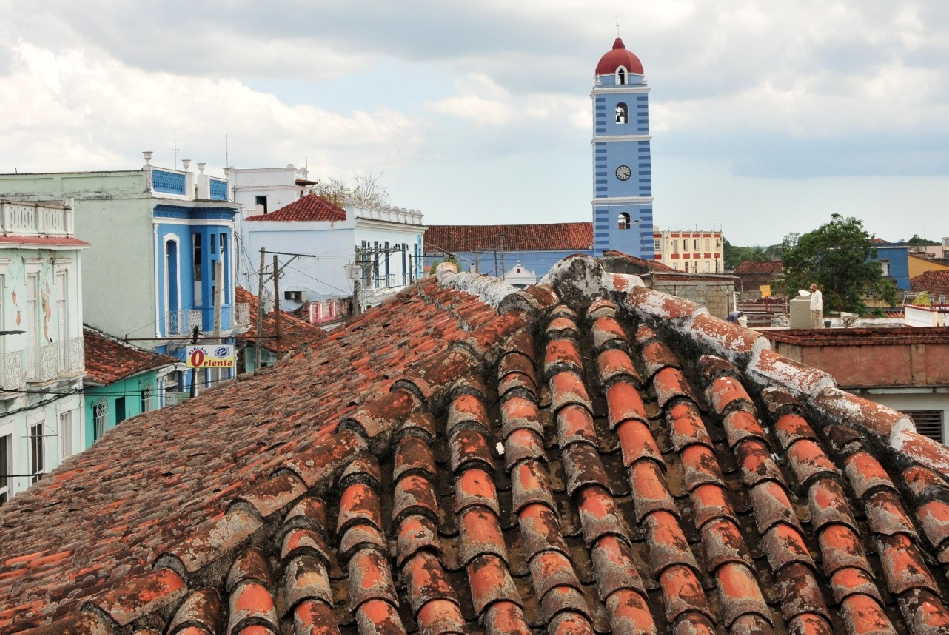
{"x": 43, "y": 241}
{"x": 861, "y": 336}
{"x": 108, "y": 359}
{"x": 936, "y": 282}
{"x": 307, "y": 208}
{"x": 528, "y": 237}
{"x": 294, "y": 332}
{"x": 441, "y": 466}
{"x": 750, "y": 266}
{"x": 641, "y": 265}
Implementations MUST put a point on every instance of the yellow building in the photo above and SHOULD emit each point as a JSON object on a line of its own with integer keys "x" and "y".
{"x": 918, "y": 266}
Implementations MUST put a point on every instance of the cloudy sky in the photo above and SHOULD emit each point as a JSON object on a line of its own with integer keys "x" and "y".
{"x": 767, "y": 115}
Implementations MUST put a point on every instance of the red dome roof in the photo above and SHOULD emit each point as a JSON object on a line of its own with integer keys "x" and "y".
{"x": 619, "y": 56}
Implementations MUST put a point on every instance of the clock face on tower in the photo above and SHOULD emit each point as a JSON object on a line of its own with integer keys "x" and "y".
{"x": 623, "y": 173}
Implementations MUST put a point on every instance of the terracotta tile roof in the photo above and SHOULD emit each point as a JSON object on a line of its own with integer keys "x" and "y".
{"x": 563, "y": 463}
{"x": 933, "y": 281}
{"x": 108, "y": 359}
{"x": 306, "y": 208}
{"x": 861, "y": 336}
{"x": 43, "y": 241}
{"x": 528, "y": 237}
{"x": 632, "y": 263}
{"x": 294, "y": 332}
{"x": 750, "y": 266}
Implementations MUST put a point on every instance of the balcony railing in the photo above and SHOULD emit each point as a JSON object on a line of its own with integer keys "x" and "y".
{"x": 241, "y": 316}
{"x": 14, "y": 370}
{"x": 33, "y": 219}
{"x": 183, "y": 322}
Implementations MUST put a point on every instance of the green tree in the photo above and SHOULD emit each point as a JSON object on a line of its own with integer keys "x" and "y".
{"x": 735, "y": 254}
{"x": 916, "y": 240}
{"x": 837, "y": 256}
{"x": 365, "y": 190}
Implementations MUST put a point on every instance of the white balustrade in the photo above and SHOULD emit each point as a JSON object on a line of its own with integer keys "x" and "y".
{"x": 32, "y": 219}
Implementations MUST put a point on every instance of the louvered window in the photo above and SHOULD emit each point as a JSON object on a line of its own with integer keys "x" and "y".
{"x": 928, "y": 423}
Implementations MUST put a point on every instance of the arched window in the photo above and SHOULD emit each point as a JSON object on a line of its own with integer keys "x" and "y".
{"x": 621, "y": 76}
{"x": 623, "y": 221}
{"x": 622, "y": 113}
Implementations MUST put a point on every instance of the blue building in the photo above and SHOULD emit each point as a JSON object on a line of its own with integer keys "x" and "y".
{"x": 622, "y": 165}
{"x": 622, "y": 191}
{"x": 162, "y": 246}
{"x": 894, "y": 262}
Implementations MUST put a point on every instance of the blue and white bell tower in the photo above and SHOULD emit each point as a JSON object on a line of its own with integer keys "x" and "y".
{"x": 622, "y": 165}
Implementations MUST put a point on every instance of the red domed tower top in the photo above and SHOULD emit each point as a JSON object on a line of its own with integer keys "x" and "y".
{"x": 619, "y": 56}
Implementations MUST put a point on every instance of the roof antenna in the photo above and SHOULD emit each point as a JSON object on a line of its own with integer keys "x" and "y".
{"x": 227, "y": 162}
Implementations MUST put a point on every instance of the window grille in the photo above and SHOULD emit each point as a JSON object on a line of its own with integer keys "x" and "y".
{"x": 929, "y": 423}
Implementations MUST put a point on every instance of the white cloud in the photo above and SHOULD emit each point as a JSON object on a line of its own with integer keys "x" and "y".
{"x": 79, "y": 109}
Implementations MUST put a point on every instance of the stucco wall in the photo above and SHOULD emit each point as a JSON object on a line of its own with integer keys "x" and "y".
{"x": 130, "y": 389}
{"x": 16, "y": 427}
{"x": 118, "y": 275}
{"x": 880, "y": 364}
{"x": 718, "y": 297}
{"x": 316, "y": 277}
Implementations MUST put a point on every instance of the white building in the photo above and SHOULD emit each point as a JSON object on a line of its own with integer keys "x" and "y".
{"x": 42, "y": 346}
{"x": 264, "y": 190}
{"x": 693, "y": 251}
{"x": 380, "y": 249}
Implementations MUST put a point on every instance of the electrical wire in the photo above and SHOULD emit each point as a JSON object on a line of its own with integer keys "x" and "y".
{"x": 323, "y": 282}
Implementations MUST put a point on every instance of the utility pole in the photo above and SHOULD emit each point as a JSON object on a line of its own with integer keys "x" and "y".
{"x": 194, "y": 371}
{"x": 357, "y": 281}
{"x": 218, "y": 295}
{"x": 260, "y": 308}
{"x": 276, "y": 297}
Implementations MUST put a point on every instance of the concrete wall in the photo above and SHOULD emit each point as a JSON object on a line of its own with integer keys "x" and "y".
{"x": 718, "y": 296}
{"x": 118, "y": 276}
{"x": 883, "y": 364}
{"x": 105, "y": 185}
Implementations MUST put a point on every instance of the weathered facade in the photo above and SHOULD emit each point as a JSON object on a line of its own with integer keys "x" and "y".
{"x": 716, "y": 292}
{"x": 41, "y": 308}
{"x": 691, "y": 251}
{"x": 167, "y": 233}
{"x": 904, "y": 368}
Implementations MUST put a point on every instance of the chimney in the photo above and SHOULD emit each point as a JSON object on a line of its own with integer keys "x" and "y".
{"x": 204, "y": 185}
{"x": 189, "y": 178}
{"x": 148, "y": 158}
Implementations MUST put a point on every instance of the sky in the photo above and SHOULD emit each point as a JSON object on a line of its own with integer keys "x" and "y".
{"x": 767, "y": 116}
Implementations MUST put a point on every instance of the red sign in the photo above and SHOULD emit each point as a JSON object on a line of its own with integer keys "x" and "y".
{"x": 197, "y": 358}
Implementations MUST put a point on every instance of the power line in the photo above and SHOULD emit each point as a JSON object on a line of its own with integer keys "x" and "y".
{"x": 312, "y": 277}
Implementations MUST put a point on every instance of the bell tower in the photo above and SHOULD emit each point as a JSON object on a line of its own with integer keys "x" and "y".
{"x": 622, "y": 164}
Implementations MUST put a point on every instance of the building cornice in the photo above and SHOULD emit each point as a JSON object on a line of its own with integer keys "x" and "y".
{"x": 621, "y": 137}
{"x": 618, "y": 89}
{"x": 619, "y": 200}
{"x": 384, "y": 224}
{"x": 163, "y": 220}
